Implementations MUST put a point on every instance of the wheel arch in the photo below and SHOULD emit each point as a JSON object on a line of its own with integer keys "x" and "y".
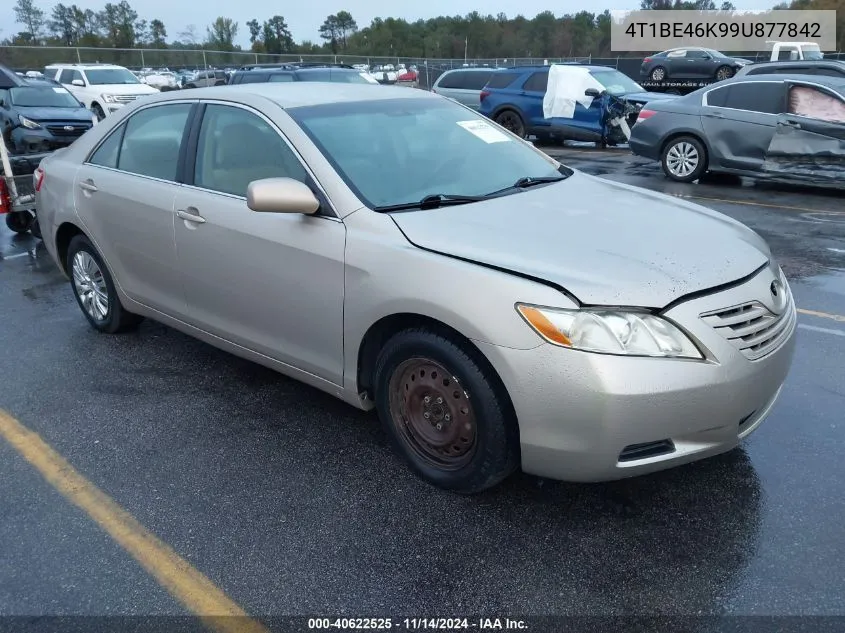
{"x": 64, "y": 234}
{"x": 382, "y": 330}
{"x": 698, "y": 136}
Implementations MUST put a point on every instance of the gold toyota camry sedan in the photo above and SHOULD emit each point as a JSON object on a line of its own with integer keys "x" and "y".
{"x": 401, "y": 252}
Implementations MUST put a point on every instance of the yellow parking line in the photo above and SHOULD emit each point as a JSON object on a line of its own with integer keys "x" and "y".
{"x": 824, "y": 315}
{"x": 185, "y": 583}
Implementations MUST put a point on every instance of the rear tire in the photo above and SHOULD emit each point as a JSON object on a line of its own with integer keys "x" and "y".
{"x": 511, "y": 121}
{"x": 35, "y": 228}
{"x": 19, "y": 221}
{"x": 445, "y": 412}
{"x": 94, "y": 289}
{"x": 684, "y": 159}
{"x": 658, "y": 73}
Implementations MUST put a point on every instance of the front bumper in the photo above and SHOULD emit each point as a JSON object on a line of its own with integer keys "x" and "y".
{"x": 27, "y": 141}
{"x": 595, "y": 417}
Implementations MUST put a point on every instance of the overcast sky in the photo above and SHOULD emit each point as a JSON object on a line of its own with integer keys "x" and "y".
{"x": 304, "y": 18}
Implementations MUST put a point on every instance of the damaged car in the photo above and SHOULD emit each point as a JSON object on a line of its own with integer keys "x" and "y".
{"x": 566, "y": 102}
{"x": 782, "y": 127}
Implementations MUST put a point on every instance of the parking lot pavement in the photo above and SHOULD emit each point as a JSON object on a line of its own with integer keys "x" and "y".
{"x": 292, "y": 503}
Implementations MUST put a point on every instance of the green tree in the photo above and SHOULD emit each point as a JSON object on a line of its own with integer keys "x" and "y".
{"x": 61, "y": 25}
{"x": 277, "y": 37}
{"x": 32, "y": 18}
{"x": 118, "y": 23}
{"x": 158, "y": 34}
{"x": 221, "y": 34}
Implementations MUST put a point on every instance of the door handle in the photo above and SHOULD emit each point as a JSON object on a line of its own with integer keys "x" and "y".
{"x": 794, "y": 124}
{"x": 715, "y": 115}
{"x": 88, "y": 185}
{"x": 190, "y": 214}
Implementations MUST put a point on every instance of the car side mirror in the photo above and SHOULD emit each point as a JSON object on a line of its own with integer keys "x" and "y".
{"x": 78, "y": 82}
{"x": 281, "y": 195}
{"x": 593, "y": 92}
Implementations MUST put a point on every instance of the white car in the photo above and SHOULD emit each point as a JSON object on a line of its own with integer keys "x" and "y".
{"x": 103, "y": 88}
{"x": 160, "y": 79}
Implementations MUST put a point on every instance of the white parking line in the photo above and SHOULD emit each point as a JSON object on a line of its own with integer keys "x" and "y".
{"x": 823, "y": 330}
{"x": 15, "y": 256}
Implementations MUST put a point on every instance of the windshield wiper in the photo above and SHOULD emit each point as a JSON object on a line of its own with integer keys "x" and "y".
{"x": 530, "y": 181}
{"x": 432, "y": 201}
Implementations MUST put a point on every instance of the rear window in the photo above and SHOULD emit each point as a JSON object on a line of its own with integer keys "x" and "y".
{"x": 501, "y": 80}
{"x": 465, "y": 80}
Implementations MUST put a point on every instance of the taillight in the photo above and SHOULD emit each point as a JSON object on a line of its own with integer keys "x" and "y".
{"x": 39, "y": 178}
{"x": 5, "y": 198}
{"x": 484, "y": 94}
{"x": 646, "y": 60}
{"x": 645, "y": 114}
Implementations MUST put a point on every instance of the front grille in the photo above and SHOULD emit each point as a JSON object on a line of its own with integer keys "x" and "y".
{"x": 76, "y": 129}
{"x": 125, "y": 98}
{"x": 752, "y": 328}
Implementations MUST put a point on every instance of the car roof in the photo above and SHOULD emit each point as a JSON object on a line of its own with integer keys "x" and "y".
{"x": 32, "y": 82}
{"x": 471, "y": 69}
{"x": 297, "y": 94}
{"x": 83, "y": 66}
{"x": 799, "y": 62}
{"x": 825, "y": 80}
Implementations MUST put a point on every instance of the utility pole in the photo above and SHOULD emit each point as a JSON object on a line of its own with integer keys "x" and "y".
{"x": 466, "y": 47}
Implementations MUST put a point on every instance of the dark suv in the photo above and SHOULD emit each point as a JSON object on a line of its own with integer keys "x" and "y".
{"x": 39, "y": 116}
{"x": 297, "y": 72}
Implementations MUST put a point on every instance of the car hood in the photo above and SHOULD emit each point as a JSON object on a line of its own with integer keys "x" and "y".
{"x": 606, "y": 243}
{"x": 645, "y": 97}
{"x": 55, "y": 114}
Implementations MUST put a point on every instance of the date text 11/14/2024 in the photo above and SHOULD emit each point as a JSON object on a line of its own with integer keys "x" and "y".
{"x": 418, "y": 624}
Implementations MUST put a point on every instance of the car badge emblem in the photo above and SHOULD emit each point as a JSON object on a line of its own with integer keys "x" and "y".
{"x": 69, "y": 128}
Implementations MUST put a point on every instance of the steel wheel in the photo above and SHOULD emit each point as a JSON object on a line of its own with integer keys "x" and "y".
{"x": 682, "y": 159}
{"x": 90, "y": 286}
{"x": 658, "y": 74}
{"x": 433, "y": 414}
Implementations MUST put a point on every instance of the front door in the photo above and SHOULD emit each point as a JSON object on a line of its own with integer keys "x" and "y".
{"x": 125, "y": 194}
{"x": 271, "y": 282}
{"x": 739, "y": 121}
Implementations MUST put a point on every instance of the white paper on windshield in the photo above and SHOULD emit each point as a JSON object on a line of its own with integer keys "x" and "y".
{"x": 59, "y": 90}
{"x": 484, "y": 131}
{"x": 565, "y": 90}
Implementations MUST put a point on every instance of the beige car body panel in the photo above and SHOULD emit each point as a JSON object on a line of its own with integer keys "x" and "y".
{"x": 298, "y": 293}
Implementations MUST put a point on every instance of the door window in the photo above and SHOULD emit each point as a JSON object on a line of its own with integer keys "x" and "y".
{"x": 152, "y": 141}
{"x": 537, "y": 82}
{"x": 694, "y": 54}
{"x": 676, "y": 54}
{"x": 763, "y": 97}
{"x": 236, "y": 147}
{"x": 109, "y": 150}
{"x": 816, "y": 104}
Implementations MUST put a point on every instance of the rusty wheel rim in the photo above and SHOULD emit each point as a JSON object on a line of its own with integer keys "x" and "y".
{"x": 433, "y": 414}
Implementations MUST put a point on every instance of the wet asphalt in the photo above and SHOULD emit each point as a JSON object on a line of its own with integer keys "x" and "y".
{"x": 292, "y": 502}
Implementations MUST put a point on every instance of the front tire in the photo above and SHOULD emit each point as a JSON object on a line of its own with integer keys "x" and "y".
{"x": 98, "y": 111}
{"x": 684, "y": 159}
{"x": 94, "y": 289}
{"x": 35, "y": 228}
{"x": 445, "y": 411}
{"x": 724, "y": 72}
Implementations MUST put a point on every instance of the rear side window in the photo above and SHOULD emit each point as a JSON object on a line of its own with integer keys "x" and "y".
{"x": 253, "y": 78}
{"x": 501, "y": 80}
{"x": 281, "y": 77}
{"x": 537, "y": 82}
{"x": 764, "y": 97}
{"x": 152, "y": 141}
{"x": 718, "y": 97}
{"x": 107, "y": 154}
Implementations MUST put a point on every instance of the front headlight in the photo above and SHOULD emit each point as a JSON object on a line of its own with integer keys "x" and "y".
{"x": 108, "y": 98}
{"x": 625, "y": 333}
{"x": 28, "y": 123}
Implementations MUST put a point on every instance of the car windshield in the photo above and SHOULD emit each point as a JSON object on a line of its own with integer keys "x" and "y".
{"x": 398, "y": 151}
{"x": 110, "y": 76}
{"x": 616, "y": 83}
{"x": 813, "y": 52}
{"x": 43, "y": 97}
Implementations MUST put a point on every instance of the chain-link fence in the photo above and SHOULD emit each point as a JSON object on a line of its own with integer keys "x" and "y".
{"x": 23, "y": 58}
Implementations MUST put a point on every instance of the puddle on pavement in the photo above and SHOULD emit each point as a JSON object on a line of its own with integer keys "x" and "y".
{"x": 832, "y": 281}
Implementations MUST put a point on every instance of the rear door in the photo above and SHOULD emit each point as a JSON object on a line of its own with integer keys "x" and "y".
{"x": 809, "y": 140}
{"x": 465, "y": 86}
{"x": 739, "y": 121}
{"x": 124, "y": 194}
{"x": 531, "y": 102}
